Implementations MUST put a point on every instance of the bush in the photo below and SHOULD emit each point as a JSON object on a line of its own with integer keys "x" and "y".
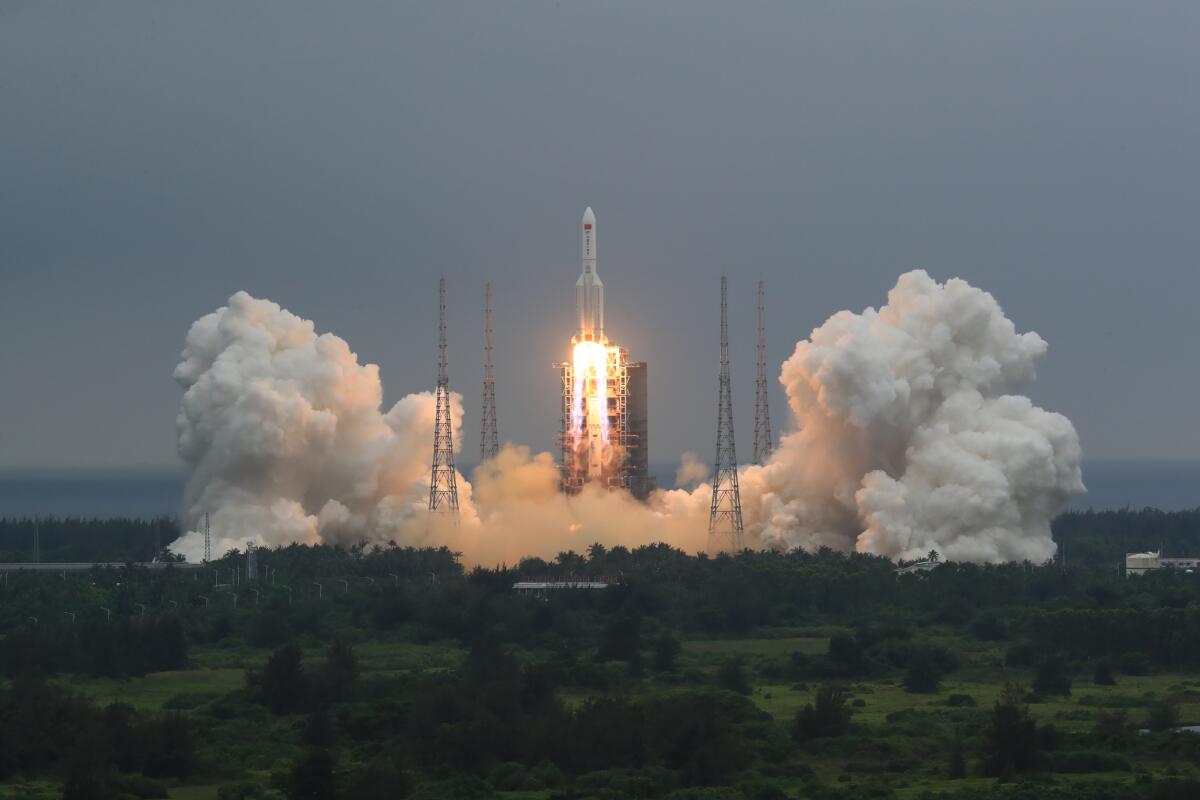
{"x": 1051, "y": 677}
{"x": 650, "y": 782}
{"x": 958, "y": 761}
{"x": 1103, "y": 675}
{"x": 1163, "y": 716}
{"x": 546, "y": 774}
{"x": 989, "y": 626}
{"x": 828, "y": 717}
{"x": 1113, "y": 731}
{"x": 923, "y": 675}
{"x": 1083, "y": 762}
{"x": 666, "y": 650}
{"x": 960, "y": 701}
{"x": 1012, "y": 738}
{"x": 1019, "y": 655}
{"x": 1133, "y": 664}
{"x": 846, "y": 651}
{"x": 509, "y": 777}
{"x": 462, "y": 787}
{"x": 731, "y": 676}
{"x": 312, "y": 777}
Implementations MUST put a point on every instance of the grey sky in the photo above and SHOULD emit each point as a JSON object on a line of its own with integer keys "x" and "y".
{"x": 336, "y": 157}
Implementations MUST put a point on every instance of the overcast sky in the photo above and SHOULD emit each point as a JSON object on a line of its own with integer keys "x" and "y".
{"x": 338, "y": 157}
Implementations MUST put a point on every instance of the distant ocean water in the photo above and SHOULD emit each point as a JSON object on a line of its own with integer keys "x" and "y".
{"x": 154, "y": 491}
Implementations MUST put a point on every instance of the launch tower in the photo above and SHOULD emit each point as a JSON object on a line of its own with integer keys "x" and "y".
{"x": 443, "y": 488}
{"x": 489, "y": 441}
{"x": 762, "y": 412}
{"x": 725, "y": 514}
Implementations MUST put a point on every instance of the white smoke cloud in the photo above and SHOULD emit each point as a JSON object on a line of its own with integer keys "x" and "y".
{"x": 284, "y": 433}
{"x": 691, "y": 471}
{"x": 905, "y": 439}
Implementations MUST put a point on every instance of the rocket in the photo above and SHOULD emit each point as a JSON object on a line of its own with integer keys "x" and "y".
{"x": 589, "y": 289}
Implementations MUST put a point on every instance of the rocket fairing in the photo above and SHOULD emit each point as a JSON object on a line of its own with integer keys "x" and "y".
{"x": 589, "y": 289}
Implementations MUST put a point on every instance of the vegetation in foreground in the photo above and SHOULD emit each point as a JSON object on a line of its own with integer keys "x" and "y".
{"x": 395, "y": 673}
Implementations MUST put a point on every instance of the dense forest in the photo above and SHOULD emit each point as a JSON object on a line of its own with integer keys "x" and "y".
{"x": 395, "y": 672}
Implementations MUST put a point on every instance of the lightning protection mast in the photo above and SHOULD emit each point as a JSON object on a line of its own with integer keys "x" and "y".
{"x": 489, "y": 442}
{"x": 725, "y": 515}
{"x": 762, "y": 415}
{"x": 443, "y": 491}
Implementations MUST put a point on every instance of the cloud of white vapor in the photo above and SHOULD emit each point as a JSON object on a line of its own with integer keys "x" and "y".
{"x": 691, "y": 471}
{"x": 285, "y": 436}
{"x": 907, "y": 437}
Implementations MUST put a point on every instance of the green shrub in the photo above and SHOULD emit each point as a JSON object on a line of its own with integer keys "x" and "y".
{"x": 1052, "y": 677}
{"x": 1019, "y": 655}
{"x": 139, "y": 786}
{"x": 827, "y": 717}
{"x": 1133, "y": 664}
{"x": 1084, "y": 762}
{"x": 509, "y": 776}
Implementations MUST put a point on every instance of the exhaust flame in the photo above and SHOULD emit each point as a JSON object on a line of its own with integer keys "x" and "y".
{"x": 591, "y": 389}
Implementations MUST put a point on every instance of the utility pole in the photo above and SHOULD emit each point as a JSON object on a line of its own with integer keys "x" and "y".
{"x": 443, "y": 489}
{"x": 725, "y": 515}
{"x": 489, "y": 442}
{"x": 762, "y": 415}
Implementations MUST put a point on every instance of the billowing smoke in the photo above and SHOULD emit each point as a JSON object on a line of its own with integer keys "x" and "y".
{"x": 285, "y": 436}
{"x": 691, "y": 471}
{"x": 905, "y": 439}
{"x": 287, "y": 441}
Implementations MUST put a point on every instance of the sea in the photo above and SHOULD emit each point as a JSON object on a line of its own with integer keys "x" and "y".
{"x": 151, "y": 491}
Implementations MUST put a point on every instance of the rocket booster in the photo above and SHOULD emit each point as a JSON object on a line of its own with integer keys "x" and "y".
{"x": 589, "y": 289}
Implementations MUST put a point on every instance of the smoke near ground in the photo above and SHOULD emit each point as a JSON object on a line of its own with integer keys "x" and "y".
{"x": 905, "y": 438}
{"x": 691, "y": 471}
{"x": 285, "y": 436}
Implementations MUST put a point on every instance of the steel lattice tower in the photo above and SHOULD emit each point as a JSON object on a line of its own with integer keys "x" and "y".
{"x": 443, "y": 490}
{"x": 207, "y": 539}
{"x": 489, "y": 442}
{"x": 725, "y": 516}
{"x": 762, "y": 414}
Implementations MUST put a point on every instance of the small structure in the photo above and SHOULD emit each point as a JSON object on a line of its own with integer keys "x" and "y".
{"x": 1141, "y": 563}
{"x": 918, "y": 566}
{"x": 573, "y": 582}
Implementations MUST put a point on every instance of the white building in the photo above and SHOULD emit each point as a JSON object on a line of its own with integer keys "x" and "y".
{"x": 1141, "y": 563}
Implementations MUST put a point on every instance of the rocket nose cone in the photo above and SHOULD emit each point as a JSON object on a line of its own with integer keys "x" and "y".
{"x": 588, "y": 217}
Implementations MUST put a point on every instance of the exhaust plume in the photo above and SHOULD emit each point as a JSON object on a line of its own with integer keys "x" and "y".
{"x": 905, "y": 438}
{"x": 283, "y": 430}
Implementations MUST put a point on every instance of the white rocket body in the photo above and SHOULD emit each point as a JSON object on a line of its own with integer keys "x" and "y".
{"x": 589, "y": 289}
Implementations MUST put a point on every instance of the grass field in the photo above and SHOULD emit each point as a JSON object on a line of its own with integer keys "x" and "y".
{"x": 220, "y": 670}
{"x": 879, "y": 705}
{"x": 151, "y": 692}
